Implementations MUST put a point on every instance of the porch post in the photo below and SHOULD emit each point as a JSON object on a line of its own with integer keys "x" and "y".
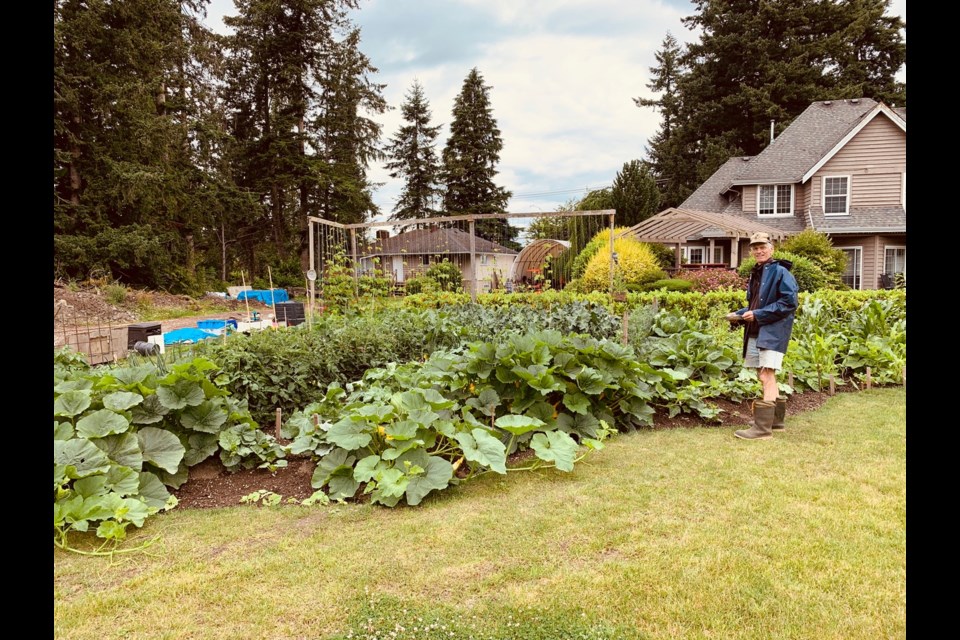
{"x": 676, "y": 257}
{"x": 734, "y": 252}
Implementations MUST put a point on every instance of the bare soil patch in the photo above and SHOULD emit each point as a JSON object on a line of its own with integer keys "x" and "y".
{"x": 211, "y": 485}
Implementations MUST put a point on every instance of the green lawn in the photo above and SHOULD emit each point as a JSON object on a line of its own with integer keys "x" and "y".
{"x": 687, "y": 533}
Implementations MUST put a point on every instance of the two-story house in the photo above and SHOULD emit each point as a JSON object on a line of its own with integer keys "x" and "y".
{"x": 840, "y": 168}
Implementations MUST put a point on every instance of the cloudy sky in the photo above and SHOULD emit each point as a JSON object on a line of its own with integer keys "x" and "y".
{"x": 562, "y": 77}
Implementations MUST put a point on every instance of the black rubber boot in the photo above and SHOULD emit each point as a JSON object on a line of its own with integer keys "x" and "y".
{"x": 779, "y": 414}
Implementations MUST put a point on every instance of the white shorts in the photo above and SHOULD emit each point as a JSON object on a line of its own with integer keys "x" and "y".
{"x": 762, "y": 358}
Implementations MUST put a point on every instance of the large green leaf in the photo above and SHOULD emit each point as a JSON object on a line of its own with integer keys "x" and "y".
{"x": 161, "y": 448}
{"x": 128, "y": 376}
{"x": 90, "y": 486}
{"x": 556, "y": 447}
{"x": 181, "y": 394}
{"x": 436, "y": 475}
{"x": 433, "y": 397}
{"x": 590, "y": 381}
{"x": 81, "y": 457}
{"x": 150, "y": 411}
{"x": 349, "y": 434}
{"x": 200, "y": 446}
{"x": 121, "y": 400}
{"x": 62, "y": 430}
{"x": 376, "y": 412}
{"x": 402, "y": 430}
{"x": 576, "y": 402}
{"x": 342, "y": 485}
{"x": 73, "y": 385}
{"x": 207, "y": 417}
{"x": 134, "y": 510}
{"x": 177, "y": 479}
{"x": 100, "y": 423}
{"x": 124, "y": 449}
{"x": 483, "y": 448}
{"x": 71, "y": 403}
{"x": 366, "y": 468}
{"x": 338, "y": 460}
{"x": 153, "y": 491}
{"x": 518, "y": 425}
{"x": 123, "y": 480}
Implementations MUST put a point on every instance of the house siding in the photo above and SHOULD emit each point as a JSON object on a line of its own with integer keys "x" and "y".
{"x": 875, "y": 159}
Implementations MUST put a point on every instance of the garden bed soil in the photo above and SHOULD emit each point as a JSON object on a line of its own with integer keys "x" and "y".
{"x": 211, "y": 485}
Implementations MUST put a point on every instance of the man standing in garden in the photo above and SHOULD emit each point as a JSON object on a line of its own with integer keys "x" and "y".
{"x": 768, "y": 323}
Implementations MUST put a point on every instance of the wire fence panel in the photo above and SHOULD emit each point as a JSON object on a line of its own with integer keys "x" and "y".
{"x": 475, "y": 253}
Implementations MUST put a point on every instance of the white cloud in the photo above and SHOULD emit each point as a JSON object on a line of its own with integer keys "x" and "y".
{"x": 563, "y": 75}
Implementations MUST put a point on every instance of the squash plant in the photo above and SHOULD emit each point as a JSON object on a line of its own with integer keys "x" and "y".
{"x": 123, "y": 435}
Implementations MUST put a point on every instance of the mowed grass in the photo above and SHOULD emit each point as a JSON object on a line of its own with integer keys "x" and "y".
{"x": 687, "y": 533}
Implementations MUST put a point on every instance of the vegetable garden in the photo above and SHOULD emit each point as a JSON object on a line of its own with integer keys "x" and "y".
{"x": 396, "y": 400}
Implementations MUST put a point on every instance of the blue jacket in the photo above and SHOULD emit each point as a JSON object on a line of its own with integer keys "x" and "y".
{"x": 778, "y": 302}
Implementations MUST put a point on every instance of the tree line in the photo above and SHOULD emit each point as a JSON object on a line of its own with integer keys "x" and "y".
{"x": 183, "y": 156}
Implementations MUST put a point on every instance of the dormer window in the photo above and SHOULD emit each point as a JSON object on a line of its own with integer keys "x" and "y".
{"x": 775, "y": 200}
{"x": 836, "y": 195}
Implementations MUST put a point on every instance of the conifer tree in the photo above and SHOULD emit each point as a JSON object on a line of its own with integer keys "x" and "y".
{"x": 762, "y": 60}
{"x": 413, "y": 158}
{"x": 470, "y": 160}
{"x": 634, "y": 194}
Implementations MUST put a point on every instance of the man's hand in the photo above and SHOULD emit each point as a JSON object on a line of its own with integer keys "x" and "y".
{"x": 748, "y": 316}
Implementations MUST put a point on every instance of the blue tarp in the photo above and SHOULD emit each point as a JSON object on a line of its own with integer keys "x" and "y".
{"x": 187, "y": 334}
{"x": 263, "y": 295}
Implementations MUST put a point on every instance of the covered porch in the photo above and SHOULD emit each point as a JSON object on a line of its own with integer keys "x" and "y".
{"x": 708, "y": 240}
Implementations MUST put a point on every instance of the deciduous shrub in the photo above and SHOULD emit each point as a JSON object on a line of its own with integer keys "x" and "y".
{"x": 636, "y": 264}
{"x": 668, "y": 284}
{"x": 704, "y": 280}
{"x": 809, "y": 276}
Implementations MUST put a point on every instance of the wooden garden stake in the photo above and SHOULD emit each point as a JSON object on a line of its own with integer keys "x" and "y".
{"x": 868, "y": 377}
{"x": 246, "y": 300}
{"x": 833, "y": 388}
{"x": 273, "y": 302}
{"x": 790, "y": 379}
{"x": 277, "y": 427}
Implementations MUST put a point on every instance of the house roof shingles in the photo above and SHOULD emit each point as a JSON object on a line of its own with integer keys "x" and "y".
{"x": 431, "y": 241}
{"x": 808, "y": 139}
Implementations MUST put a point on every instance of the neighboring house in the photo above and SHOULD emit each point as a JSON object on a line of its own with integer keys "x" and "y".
{"x": 840, "y": 168}
{"x": 410, "y": 254}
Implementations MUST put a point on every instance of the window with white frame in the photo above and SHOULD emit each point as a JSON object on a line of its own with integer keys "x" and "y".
{"x": 836, "y": 195}
{"x": 852, "y": 275}
{"x": 701, "y": 255}
{"x": 775, "y": 199}
{"x": 483, "y": 258}
{"x": 894, "y": 260}
{"x": 694, "y": 255}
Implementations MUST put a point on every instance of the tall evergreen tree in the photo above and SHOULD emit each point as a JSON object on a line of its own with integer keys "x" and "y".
{"x": 669, "y": 163}
{"x": 470, "y": 159}
{"x": 346, "y": 138}
{"x": 634, "y": 194}
{"x": 762, "y": 60}
{"x": 413, "y": 158}
{"x": 127, "y": 116}
{"x": 298, "y": 88}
